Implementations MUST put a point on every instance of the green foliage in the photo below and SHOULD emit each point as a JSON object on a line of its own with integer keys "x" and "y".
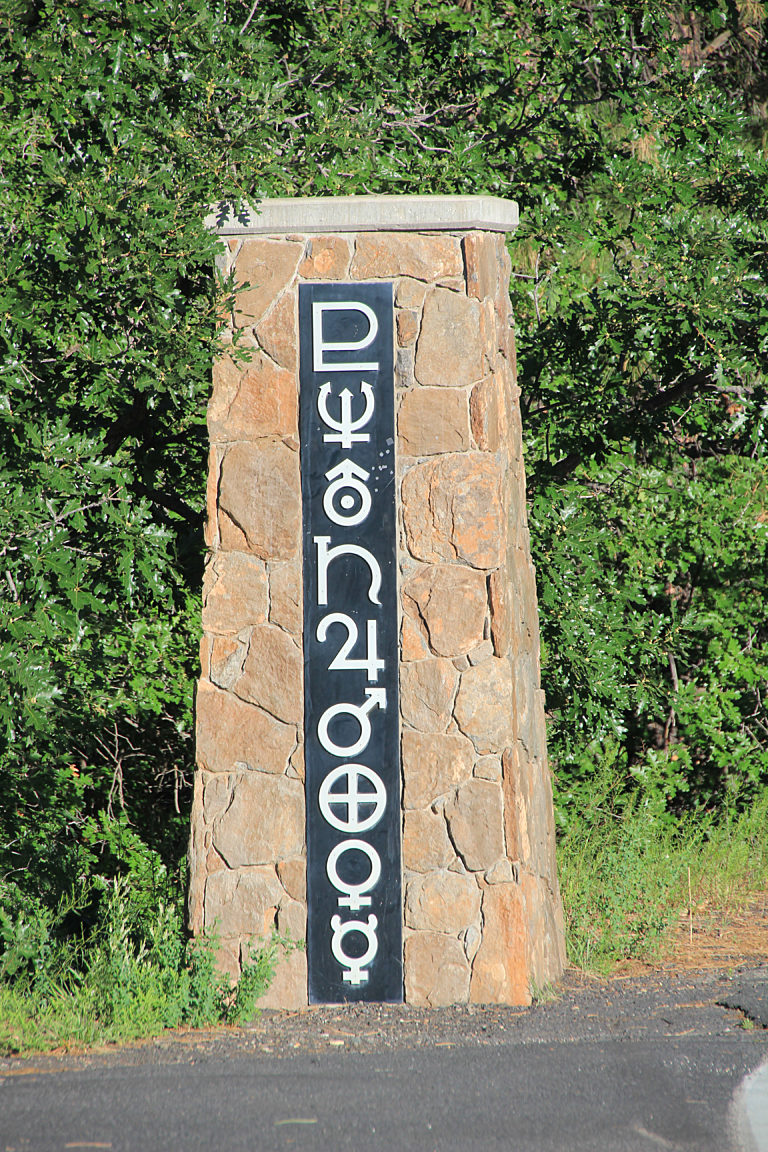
{"x": 653, "y": 627}
{"x": 134, "y": 974}
{"x": 625, "y": 869}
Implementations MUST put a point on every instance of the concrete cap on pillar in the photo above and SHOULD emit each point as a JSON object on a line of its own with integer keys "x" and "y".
{"x": 304, "y": 214}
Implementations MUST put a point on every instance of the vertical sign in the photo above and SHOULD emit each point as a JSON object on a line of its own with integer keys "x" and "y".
{"x": 346, "y": 369}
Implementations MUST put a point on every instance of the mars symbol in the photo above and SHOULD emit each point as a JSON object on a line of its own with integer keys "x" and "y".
{"x": 346, "y": 368}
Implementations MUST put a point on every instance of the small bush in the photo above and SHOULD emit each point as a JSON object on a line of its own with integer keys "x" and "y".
{"x": 132, "y": 974}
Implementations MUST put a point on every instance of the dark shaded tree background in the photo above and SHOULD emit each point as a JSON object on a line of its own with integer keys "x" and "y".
{"x": 634, "y": 137}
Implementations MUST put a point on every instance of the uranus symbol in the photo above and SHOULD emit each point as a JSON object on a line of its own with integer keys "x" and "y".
{"x": 352, "y": 477}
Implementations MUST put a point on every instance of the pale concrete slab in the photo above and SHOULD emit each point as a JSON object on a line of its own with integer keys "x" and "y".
{"x": 303, "y": 214}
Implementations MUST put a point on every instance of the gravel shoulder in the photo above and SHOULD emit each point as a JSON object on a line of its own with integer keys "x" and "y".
{"x": 665, "y": 1004}
{"x": 713, "y": 983}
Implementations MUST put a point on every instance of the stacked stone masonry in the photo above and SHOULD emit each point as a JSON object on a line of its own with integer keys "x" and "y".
{"x": 482, "y": 919}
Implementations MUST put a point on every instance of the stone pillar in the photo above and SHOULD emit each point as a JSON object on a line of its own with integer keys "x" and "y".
{"x": 482, "y": 914}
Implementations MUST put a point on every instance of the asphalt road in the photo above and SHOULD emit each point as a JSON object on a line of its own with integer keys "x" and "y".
{"x": 637, "y": 1065}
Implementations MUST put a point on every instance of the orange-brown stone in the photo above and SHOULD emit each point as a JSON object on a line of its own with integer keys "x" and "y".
{"x": 232, "y": 734}
{"x": 288, "y": 987}
{"x": 242, "y": 903}
{"x": 227, "y": 656}
{"x": 487, "y": 414}
{"x": 452, "y": 510}
{"x": 500, "y": 972}
{"x": 475, "y": 820}
{"x": 450, "y": 351}
{"x": 327, "y": 258}
{"x": 252, "y": 400}
{"x": 264, "y": 822}
{"x": 267, "y": 266}
{"x": 427, "y": 691}
{"x": 260, "y": 496}
{"x": 286, "y": 596}
{"x": 433, "y": 420}
{"x": 442, "y": 902}
{"x": 234, "y": 592}
{"x": 407, "y": 326}
{"x": 498, "y": 594}
{"x": 413, "y": 642}
{"x": 484, "y": 704}
{"x": 437, "y": 971}
{"x": 481, "y": 264}
{"x": 277, "y": 333}
{"x": 434, "y": 765}
{"x": 452, "y": 602}
{"x": 273, "y": 674}
{"x": 422, "y": 257}
{"x": 426, "y": 845}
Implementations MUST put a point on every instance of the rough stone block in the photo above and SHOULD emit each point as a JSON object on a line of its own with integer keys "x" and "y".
{"x": 498, "y": 599}
{"x": 410, "y": 293}
{"x": 407, "y": 326}
{"x": 426, "y": 845}
{"x": 482, "y": 652}
{"x": 211, "y": 530}
{"x": 434, "y": 765}
{"x": 488, "y": 768}
{"x": 327, "y": 258}
{"x": 232, "y": 734}
{"x": 475, "y": 822}
{"x": 437, "y": 971}
{"x": 452, "y": 602}
{"x": 196, "y": 870}
{"x": 404, "y": 368}
{"x": 234, "y": 592}
{"x": 288, "y": 989}
{"x": 487, "y": 414}
{"x": 227, "y": 962}
{"x": 268, "y": 266}
{"x": 481, "y": 264}
{"x": 264, "y": 822}
{"x": 546, "y": 935}
{"x": 217, "y": 794}
{"x": 292, "y": 920}
{"x": 450, "y": 352}
{"x": 483, "y": 709}
{"x": 500, "y": 972}
{"x": 293, "y": 877}
{"x": 381, "y": 255}
{"x": 260, "y": 494}
{"x": 413, "y": 642}
{"x": 273, "y": 674}
{"x": 286, "y": 596}
{"x": 227, "y": 656}
{"x": 251, "y": 400}
{"x": 431, "y": 420}
{"x": 515, "y": 808}
{"x": 242, "y": 903}
{"x": 427, "y": 691}
{"x": 277, "y": 333}
{"x": 442, "y": 902}
{"x": 452, "y": 510}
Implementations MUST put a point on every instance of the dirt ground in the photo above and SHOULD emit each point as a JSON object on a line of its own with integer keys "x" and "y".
{"x": 711, "y": 938}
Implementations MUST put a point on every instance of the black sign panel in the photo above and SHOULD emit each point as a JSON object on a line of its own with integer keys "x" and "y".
{"x": 346, "y": 368}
